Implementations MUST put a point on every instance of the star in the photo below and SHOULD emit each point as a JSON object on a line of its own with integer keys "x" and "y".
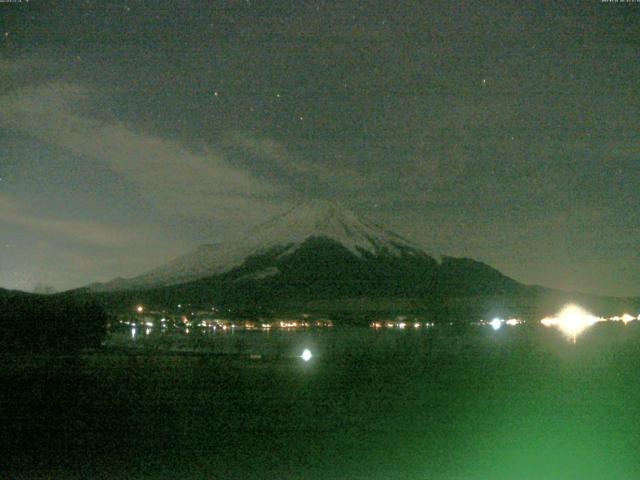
{"x": 484, "y": 81}
{"x": 215, "y": 94}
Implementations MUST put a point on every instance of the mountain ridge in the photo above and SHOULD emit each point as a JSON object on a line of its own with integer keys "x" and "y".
{"x": 319, "y": 253}
{"x": 316, "y": 219}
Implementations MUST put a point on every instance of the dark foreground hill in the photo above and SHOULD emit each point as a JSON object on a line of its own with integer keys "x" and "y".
{"x": 30, "y": 322}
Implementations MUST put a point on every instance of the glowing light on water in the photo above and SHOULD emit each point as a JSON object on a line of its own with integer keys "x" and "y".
{"x": 572, "y": 320}
{"x": 133, "y": 333}
{"x": 496, "y": 323}
{"x": 306, "y": 355}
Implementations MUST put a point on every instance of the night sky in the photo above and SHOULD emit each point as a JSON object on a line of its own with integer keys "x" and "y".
{"x": 130, "y": 132}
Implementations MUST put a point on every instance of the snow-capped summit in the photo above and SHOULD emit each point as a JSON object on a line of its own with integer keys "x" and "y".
{"x": 285, "y": 234}
{"x": 328, "y": 219}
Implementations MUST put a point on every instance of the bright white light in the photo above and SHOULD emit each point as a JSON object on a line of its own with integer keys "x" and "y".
{"x": 513, "y": 322}
{"x": 496, "y": 323}
{"x": 133, "y": 333}
{"x": 572, "y": 320}
{"x": 549, "y": 321}
{"x": 306, "y": 355}
{"x": 139, "y": 309}
{"x": 626, "y": 318}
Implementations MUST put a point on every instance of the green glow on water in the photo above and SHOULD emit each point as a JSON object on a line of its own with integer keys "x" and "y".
{"x": 520, "y": 403}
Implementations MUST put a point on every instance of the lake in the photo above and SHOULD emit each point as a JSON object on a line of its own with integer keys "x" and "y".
{"x": 446, "y": 402}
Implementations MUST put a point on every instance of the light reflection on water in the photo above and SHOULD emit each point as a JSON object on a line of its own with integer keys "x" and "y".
{"x": 445, "y": 402}
{"x": 345, "y": 341}
{"x": 421, "y": 403}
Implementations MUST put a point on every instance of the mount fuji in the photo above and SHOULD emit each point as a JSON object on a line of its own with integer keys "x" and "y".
{"x": 317, "y": 250}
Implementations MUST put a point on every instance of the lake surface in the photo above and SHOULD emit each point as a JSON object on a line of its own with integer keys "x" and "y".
{"x": 439, "y": 403}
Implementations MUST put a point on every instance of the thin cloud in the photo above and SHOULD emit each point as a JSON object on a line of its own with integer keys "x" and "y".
{"x": 174, "y": 179}
{"x": 281, "y": 161}
{"x": 87, "y": 232}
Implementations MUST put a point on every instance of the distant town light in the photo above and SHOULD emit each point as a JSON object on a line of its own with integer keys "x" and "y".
{"x": 496, "y": 323}
{"x": 306, "y": 355}
{"x": 139, "y": 309}
{"x": 572, "y": 320}
{"x": 626, "y": 318}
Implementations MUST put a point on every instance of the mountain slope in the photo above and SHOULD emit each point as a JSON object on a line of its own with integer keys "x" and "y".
{"x": 315, "y": 252}
{"x": 284, "y": 234}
